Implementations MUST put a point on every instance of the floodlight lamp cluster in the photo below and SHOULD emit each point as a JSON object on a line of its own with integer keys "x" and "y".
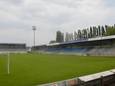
{"x": 34, "y": 28}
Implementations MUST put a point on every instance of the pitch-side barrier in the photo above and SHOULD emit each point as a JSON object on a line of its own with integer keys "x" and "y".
{"x": 106, "y": 78}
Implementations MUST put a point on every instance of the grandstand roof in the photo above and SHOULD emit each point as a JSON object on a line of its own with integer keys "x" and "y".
{"x": 85, "y": 40}
{"x": 91, "y": 39}
{"x": 53, "y": 44}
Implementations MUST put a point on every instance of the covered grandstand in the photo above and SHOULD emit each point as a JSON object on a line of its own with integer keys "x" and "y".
{"x": 12, "y": 47}
{"x": 92, "y": 46}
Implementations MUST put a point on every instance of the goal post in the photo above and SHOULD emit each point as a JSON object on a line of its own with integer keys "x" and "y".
{"x": 8, "y": 63}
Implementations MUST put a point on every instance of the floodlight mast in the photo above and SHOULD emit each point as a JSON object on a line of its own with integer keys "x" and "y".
{"x": 34, "y": 29}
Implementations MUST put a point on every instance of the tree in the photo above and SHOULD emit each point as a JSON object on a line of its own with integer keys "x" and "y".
{"x": 106, "y": 27}
{"x": 110, "y": 31}
{"x": 59, "y": 36}
{"x": 94, "y": 31}
{"x": 114, "y": 26}
{"x": 88, "y": 33}
{"x": 62, "y": 37}
{"x": 67, "y": 37}
{"x": 103, "y": 31}
{"x": 84, "y": 33}
{"x": 91, "y": 32}
{"x": 99, "y": 30}
{"x": 71, "y": 36}
{"x": 79, "y": 34}
{"x": 75, "y": 35}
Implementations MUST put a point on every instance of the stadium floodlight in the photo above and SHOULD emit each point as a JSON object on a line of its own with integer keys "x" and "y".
{"x": 34, "y": 29}
{"x": 8, "y": 63}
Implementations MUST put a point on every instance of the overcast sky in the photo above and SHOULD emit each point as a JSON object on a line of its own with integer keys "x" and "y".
{"x": 18, "y": 16}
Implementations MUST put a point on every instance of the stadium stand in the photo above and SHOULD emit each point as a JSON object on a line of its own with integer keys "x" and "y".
{"x": 12, "y": 48}
{"x": 92, "y": 46}
{"x": 69, "y": 50}
{"x": 102, "y": 51}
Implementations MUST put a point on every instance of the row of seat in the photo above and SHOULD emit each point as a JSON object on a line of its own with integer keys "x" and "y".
{"x": 85, "y": 51}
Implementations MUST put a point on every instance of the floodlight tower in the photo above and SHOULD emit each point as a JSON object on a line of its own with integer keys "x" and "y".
{"x": 34, "y": 29}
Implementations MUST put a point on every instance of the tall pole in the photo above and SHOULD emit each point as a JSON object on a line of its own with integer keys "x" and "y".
{"x": 34, "y": 29}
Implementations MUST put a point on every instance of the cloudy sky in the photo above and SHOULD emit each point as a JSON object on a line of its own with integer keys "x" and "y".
{"x": 18, "y": 16}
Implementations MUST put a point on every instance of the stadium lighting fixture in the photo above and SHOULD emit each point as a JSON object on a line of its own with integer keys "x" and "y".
{"x": 34, "y": 29}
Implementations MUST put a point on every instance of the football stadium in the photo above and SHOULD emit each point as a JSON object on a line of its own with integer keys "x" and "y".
{"x": 57, "y": 42}
{"x": 81, "y": 62}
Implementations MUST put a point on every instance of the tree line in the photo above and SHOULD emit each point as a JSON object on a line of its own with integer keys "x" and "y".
{"x": 91, "y": 32}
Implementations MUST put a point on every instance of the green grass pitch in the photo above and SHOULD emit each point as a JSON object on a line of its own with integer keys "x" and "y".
{"x": 35, "y": 69}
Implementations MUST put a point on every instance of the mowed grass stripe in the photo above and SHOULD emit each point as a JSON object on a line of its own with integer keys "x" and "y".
{"x": 33, "y": 69}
